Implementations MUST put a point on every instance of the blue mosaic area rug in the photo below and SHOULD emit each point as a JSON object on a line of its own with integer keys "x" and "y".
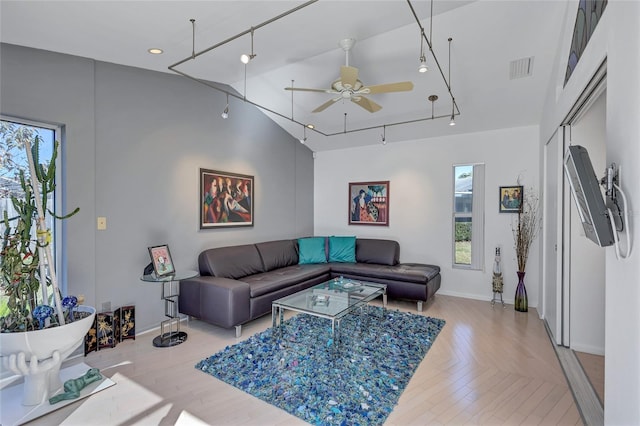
{"x": 301, "y": 370}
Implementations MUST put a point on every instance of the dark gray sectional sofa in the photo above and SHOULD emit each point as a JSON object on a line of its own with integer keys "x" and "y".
{"x": 238, "y": 283}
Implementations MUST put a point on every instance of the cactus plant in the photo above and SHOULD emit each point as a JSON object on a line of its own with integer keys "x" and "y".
{"x": 26, "y": 269}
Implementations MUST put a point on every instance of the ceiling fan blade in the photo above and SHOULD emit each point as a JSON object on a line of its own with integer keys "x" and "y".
{"x": 302, "y": 89}
{"x": 403, "y": 86}
{"x": 366, "y": 103}
{"x": 348, "y": 76}
{"x": 326, "y": 104}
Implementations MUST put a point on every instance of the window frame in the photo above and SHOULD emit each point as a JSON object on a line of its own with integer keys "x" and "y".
{"x": 476, "y": 215}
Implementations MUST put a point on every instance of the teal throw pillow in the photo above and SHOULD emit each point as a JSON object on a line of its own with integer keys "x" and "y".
{"x": 311, "y": 250}
{"x": 342, "y": 249}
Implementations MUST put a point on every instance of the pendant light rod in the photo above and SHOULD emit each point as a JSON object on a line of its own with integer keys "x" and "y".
{"x": 453, "y": 101}
{"x": 292, "y": 100}
{"x": 193, "y": 38}
{"x": 431, "y": 22}
{"x": 432, "y": 99}
{"x": 243, "y": 33}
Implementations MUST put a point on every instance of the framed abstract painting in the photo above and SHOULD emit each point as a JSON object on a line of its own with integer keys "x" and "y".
{"x": 226, "y": 199}
{"x": 369, "y": 203}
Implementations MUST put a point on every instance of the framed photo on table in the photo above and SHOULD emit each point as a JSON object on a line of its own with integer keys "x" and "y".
{"x": 226, "y": 199}
{"x": 369, "y": 203}
{"x": 511, "y": 199}
{"x": 161, "y": 260}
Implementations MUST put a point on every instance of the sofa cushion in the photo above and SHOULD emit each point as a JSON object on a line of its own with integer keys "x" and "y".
{"x": 342, "y": 249}
{"x": 231, "y": 262}
{"x": 278, "y": 254}
{"x": 382, "y": 252}
{"x": 403, "y": 272}
{"x": 271, "y": 281}
{"x": 311, "y": 250}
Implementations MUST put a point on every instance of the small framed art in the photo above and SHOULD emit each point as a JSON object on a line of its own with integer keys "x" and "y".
{"x": 226, "y": 199}
{"x": 161, "y": 260}
{"x": 510, "y": 199}
{"x": 369, "y": 203}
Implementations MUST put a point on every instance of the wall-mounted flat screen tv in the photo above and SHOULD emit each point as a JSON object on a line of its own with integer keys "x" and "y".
{"x": 585, "y": 188}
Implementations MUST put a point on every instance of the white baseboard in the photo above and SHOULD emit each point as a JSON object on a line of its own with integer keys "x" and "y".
{"x": 589, "y": 349}
{"x": 477, "y": 297}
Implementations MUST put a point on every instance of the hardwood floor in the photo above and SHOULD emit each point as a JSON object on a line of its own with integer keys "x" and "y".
{"x": 489, "y": 365}
{"x": 593, "y": 366}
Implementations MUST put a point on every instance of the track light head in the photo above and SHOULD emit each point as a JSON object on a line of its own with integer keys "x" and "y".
{"x": 423, "y": 65}
{"x": 245, "y": 58}
{"x": 225, "y": 113}
{"x": 452, "y": 122}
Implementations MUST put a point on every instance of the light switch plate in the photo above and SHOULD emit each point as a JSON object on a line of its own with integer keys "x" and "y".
{"x": 102, "y": 223}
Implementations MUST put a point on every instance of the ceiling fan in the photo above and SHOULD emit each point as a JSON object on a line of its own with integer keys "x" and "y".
{"x": 348, "y": 86}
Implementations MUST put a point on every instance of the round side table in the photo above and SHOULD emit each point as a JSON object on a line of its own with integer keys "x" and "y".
{"x": 170, "y": 297}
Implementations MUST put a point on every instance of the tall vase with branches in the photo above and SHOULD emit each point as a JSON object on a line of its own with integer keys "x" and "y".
{"x": 525, "y": 231}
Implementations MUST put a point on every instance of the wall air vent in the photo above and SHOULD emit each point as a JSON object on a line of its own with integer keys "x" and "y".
{"x": 521, "y": 68}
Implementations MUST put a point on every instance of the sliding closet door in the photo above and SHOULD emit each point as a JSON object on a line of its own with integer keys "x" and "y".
{"x": 552, "y": 236}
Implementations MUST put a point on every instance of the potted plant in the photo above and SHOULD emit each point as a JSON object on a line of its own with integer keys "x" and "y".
{"x": 35, "y": 337}
{"x": 524, "y": 232}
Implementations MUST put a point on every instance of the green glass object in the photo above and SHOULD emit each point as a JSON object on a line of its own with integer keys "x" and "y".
{"x": 72, "y": 387}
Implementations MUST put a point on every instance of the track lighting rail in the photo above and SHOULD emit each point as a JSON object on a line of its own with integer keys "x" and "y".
{"x": 194, "y": 55}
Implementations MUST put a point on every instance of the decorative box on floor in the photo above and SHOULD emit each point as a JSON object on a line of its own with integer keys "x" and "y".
{"x": 91, "y": 339}
{"x": 106, "y": 330}
{"x": 111, "y": 328}
{"x": 128, "y": 323}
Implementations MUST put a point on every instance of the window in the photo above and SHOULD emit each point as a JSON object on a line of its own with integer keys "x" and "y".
{"x": 13, "y": 160}
{"x": 468, "y": 216}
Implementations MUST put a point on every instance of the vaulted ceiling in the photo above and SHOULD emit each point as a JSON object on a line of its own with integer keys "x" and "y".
{"x": 302, "y": 49}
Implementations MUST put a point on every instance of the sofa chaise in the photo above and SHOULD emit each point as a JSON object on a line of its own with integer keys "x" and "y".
{"x": 238, "y": 283}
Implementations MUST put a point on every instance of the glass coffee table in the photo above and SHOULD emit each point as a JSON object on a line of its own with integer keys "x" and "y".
{"x": 332, "y": 300}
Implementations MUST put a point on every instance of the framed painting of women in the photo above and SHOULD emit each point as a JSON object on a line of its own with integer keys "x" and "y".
{"x": 369, "y": 203}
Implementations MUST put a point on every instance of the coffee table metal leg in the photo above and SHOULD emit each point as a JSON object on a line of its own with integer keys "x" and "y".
{"x": 274, "y": 309}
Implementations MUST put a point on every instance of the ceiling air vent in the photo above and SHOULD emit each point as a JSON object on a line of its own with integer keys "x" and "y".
{"x": 521, "y": 68}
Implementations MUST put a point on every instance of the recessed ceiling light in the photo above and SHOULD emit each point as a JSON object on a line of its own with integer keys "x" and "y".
{"x": 155, "y": 51}
{"x": 311, "y": 126}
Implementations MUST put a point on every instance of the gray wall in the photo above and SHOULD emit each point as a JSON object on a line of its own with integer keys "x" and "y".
{"x": 135, "y": 141}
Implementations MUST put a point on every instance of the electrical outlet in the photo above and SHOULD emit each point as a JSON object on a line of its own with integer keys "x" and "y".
{"x": 106, "y": 306}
